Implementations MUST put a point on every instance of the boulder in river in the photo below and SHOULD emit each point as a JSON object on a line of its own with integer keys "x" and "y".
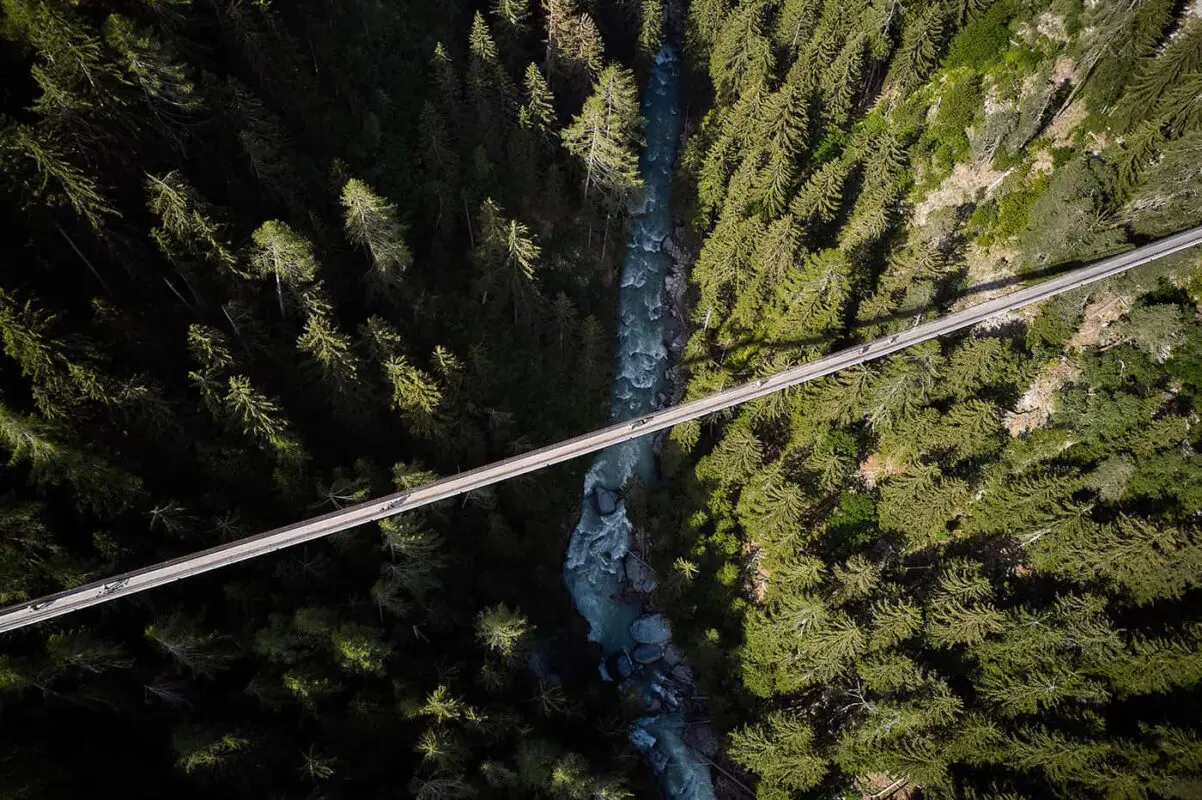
{"x": 617, "y": 667}
{"x": 607, "y": 501}
{"x": 651, "y": 629}
{"x": 647, "y": 653}
{"x": 700, "y": 738}
{"x": 641, "y": 578}
{"x": 683, "y": 674}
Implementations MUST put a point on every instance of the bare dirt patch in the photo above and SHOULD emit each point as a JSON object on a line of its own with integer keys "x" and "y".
{"x": 876, "y": 468}
{"x": 881, "y": 786}
{"x": 756, "y": 582}
{"x": 1042, "y": 163}
{"x": 1103, "y": 310}
{"x": 1064, "y": 70}
{"x": 990, "y": 275}
{"x": 966, "y": 184}
{"x": 1064, "y": 127}
{"x": 1035, "y": 407}
{"x": 1051, "y": 26}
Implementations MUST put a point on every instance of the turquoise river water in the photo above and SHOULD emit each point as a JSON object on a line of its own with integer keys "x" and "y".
{"x": 606, "y": 580}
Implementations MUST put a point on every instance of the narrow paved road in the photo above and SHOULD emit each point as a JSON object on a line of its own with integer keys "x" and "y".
{"x": 251, "y": 547}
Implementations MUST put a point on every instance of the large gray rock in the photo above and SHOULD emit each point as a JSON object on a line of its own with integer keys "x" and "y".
{"x": 647, "y": 653}
{"x": 702, "y": 739}
{"x": 607, "y": 501}
{"x": 683, "y": 674}
{"x": 641, "y": 578}
{"x": 651, "y": 629}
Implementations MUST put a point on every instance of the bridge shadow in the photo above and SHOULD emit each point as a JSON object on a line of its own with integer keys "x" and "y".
{"x": 849, "y": 338}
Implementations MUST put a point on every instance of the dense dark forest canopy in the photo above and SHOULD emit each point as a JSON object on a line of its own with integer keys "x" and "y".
{"x": 263, "y": 260}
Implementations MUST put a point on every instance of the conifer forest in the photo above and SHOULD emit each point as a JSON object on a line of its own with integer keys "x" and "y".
{"x": 263, "y": 260}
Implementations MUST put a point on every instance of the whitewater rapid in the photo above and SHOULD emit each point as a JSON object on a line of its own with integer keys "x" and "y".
{"x": 606, "y": 580}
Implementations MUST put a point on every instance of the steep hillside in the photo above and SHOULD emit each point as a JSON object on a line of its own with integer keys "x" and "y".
{"x": 971, "y": 569}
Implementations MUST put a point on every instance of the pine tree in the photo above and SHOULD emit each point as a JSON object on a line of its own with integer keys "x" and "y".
{"x": 920, "y": 503}
{"x": 80, "y": 87}
{"x": 27, "y": 550}
{"x": 62, "y": 384}
{"x": 327, "y": 344}
{"x": 702, "y": 25}
{"x": 53, "y": 175}
{"x": 201, "y": 751}
{"x": 1148, "y": 560}
{"x": 186, "y": 227}
{"x": 507, "y": 256}
{"x": 171, "y": 95}
{"x": 782, "y": 126}
{"x": 489, "y": 89}
{"x": 830, "y": 648}
{"x": 795, "y": 21}
{"x": 1182, "y": 55}
{"x": 502, "y": 631}
{"x": 781, "y": 750}
{"x": 574, "y": 46}
{"x": 841, "y": 82}
{"x": 261, "y": 419}
{"x": 893, "y": 622}
{"x": 737, "y": 456}
{"x": 819, "y": 198}
{"x": 539, "y": 105}
{"x": 371, "y": 223}
{"x": 53, "y": 458}
{"x": 202, "y": 654}
{"x": 81, "y": 652}
{"x": 923, "y": 36}
{"x": 513, "y": 16}
{"x": 414, "y": 395}
{"x": 281, "y": 253}
{"x": 605, "y": 134}
{"x": 266, "y": 145}
{"x": 741, "y": 58}
{"x": 448, "y": 90}
{"x": 855, "y": 579}
{"x": 651, "y": 27}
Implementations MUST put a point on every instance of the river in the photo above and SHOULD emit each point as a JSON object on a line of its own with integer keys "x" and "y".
{"x": 607, "y": 581}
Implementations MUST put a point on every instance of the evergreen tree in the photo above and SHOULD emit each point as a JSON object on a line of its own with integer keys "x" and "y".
{"x": 202, "y": 654}
{"x": 371, "y": 223}
{"x": 507, "y": 256}
{"x": 781, "y": 751}
{"x": 651, "y": 27}
{"x": 539, "y": 105}
{"x": 604, "y": 135}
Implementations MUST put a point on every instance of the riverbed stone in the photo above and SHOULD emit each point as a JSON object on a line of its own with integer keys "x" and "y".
{"x": 641, "y": 578}
{"x": 607, "y": 501}
{"x": 651, "y": 629}
{"x": 683, "y": 673}
{"x": 647, "y": 653}
{"x": 701, "y": 739}
{"x": 617, "y": 667}
{"x": 672, "y": 656}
